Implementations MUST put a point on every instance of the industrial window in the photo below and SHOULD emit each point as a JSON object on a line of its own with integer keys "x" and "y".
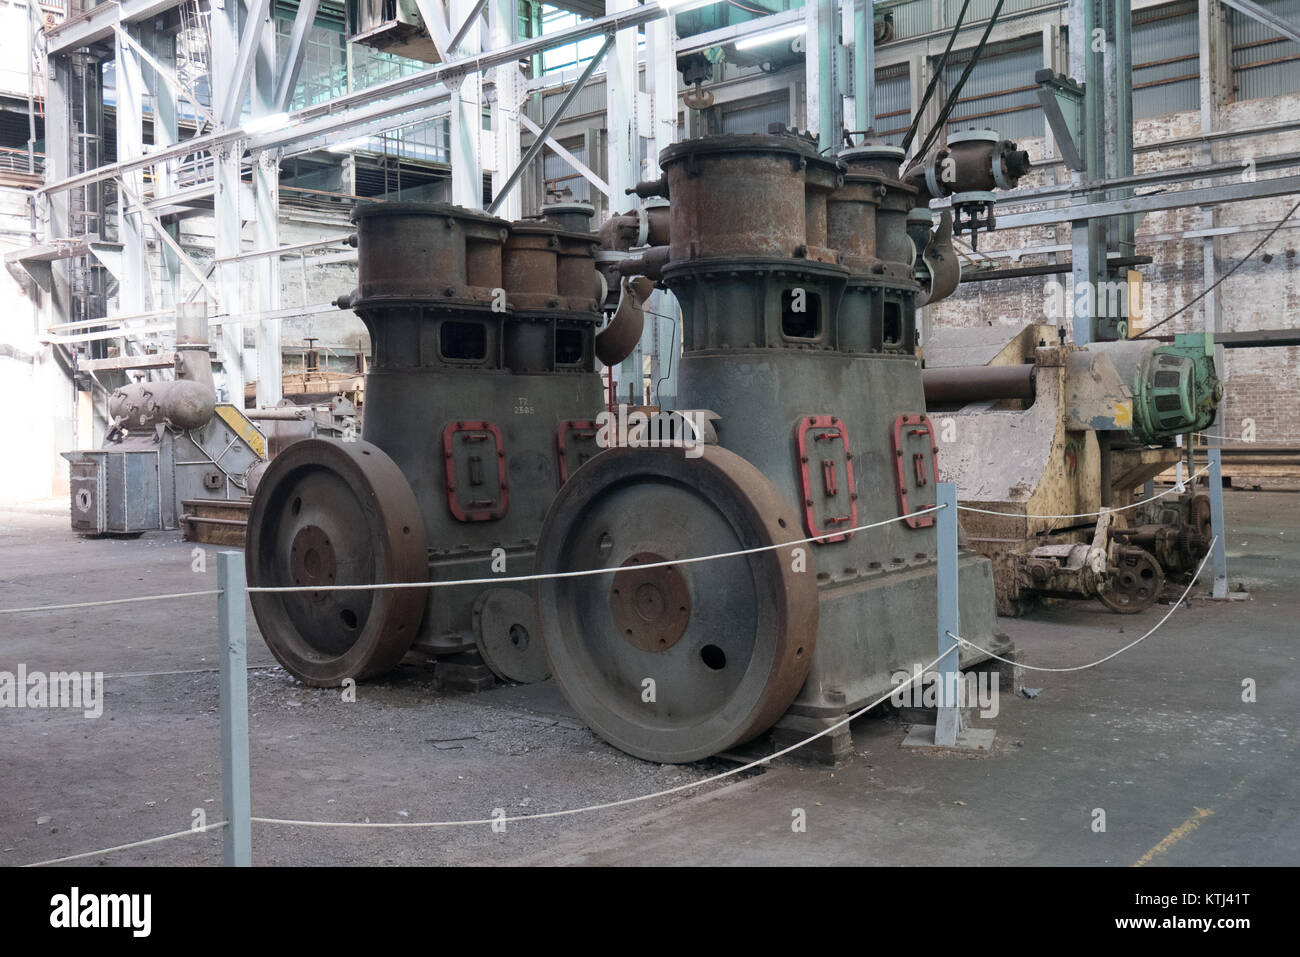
{"x": 463, "y": 341}
{"x": 1264, "y": 63}
{"x": 800, "y": 314}
{"x": 568, "y": 347}
{"x": 893, "y": 332}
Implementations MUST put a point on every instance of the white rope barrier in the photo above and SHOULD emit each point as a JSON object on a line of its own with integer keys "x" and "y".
{"x": 1114, "y": 654}
{"x": 492, "y": 580}
{"x": 625, "y": 801}
{"x": 111, "y": 601}
{"x": 1120, "y": 508}
{"x": 126, "y": 847}
{"x": 611, "y": 570}
{"x": 567, "y": 812}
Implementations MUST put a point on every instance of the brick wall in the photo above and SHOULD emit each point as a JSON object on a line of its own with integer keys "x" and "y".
{"x": 1262, "y": 384}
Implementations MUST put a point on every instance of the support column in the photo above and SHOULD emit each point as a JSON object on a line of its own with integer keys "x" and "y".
{"x": 1217, "y": 527}
{"x": 821, "y": 52}
{"x": 864, "y": 65}
{"x": 948, "y": 719}
{"x": 266, "y": 189}
{"x": 58, "y": 166}
{"x": 161, "y": 44}
{"x": 622, "y": 141}
{"x": 1087, "y": 65}
{"x": 467, "y": 118}
{"x": 1215, "y": 86}
{"x": 224, "y": 25}
{"x": 503, "y": 20}
{"x": 660, "y": 335}
{"x": 135, "y": 292}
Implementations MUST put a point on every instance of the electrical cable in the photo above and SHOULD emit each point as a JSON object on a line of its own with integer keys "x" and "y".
{"x": 961, "y": 82}
{"x": 934, "y": 78}
{"x": 1208, "y": 289}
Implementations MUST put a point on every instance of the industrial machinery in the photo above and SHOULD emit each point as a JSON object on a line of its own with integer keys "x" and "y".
{"x": 480, "y": 401}
{"x": 798, "y": 279}
{"x": 167, "y": 443}
{"x": 1031, "y": 426}
{"x": 393, "y": 26}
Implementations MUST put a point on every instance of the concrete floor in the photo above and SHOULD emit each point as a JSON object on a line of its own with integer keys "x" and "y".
{"x": 1160, "y": 739}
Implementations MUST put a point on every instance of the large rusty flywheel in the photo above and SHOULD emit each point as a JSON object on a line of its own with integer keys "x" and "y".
{"x": 336, "y": 513}
{"x": 675, "y": 662}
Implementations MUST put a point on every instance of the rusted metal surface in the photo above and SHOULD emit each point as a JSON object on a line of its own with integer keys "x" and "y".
{"x": 978, "y": 383}
{"x": 1134, "y": 583}
{"x": 508, "y": 637}
{"x": 940, "y": 259}
{"x": 333, "y": 513}
{"x": 971, "y": 161}
{"x": 427, "y": 251}
{"x": 216, "y": 521}
{"x": 748, "y": 642}
{"x": 746, "y": 196}
{"x": 872, "y": 169}
{"x": 616, "y": 341}
{"x": 651, "y": 606}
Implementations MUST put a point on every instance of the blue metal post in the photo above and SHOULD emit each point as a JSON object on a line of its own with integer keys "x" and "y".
{"x": 948, "y": 720}
{"x": 1220, "y": 559}
{"x": 236, "y": 800}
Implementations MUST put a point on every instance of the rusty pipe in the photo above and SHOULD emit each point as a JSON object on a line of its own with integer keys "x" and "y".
{"x": 959, "y": 384}
{"x": 616, "y": 341}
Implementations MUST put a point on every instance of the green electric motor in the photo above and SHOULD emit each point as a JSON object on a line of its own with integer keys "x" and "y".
{"x": 1175, "y": 387}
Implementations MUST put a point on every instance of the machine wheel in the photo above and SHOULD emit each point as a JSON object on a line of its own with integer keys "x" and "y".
{"x": 678, "y": 662}
{"x": 507, "y": 636}
{"x": 329, "y": 513}
{"x": 1135, "y": 582}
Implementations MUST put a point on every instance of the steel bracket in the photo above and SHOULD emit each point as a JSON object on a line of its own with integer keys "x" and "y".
{"x": 1062, "y": 102}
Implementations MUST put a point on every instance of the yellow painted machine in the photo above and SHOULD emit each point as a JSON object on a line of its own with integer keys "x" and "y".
{"x": 1041, "y": 435}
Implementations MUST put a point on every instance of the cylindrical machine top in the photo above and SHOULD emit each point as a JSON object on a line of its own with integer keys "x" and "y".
{"x": 877, "y": 157}
{"x": 430, "y": 252}
{"x": 747, "y": 196}
{"x": 571, "y": 217}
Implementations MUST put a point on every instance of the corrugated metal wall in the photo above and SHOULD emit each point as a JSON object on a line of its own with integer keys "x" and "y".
{"x": 590, "y": 99}
{"x": 556, "y": 168}
{"x": 913, "y": 18}
{"x": 755, "y": 117}
{"x": 893, "y": 103}
{"x": 1165, "y": 60}
{"x": 1264, "y": 64}
{"x": 1000, "y": 92}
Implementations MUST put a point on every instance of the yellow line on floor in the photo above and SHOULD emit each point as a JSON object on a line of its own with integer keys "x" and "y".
{"x": 1176, "y": 835}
